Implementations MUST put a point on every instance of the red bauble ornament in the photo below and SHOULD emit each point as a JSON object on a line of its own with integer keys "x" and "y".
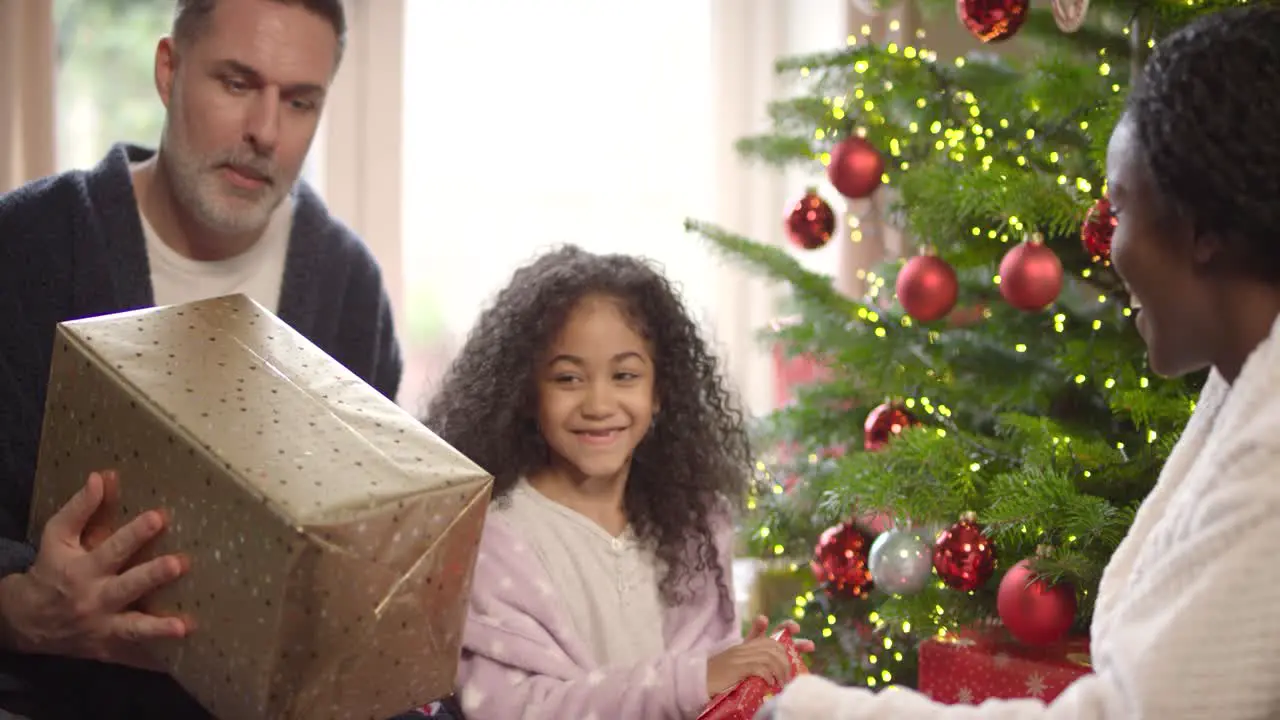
{"x": 1033, "y": 611}
{"x": 993, "y": 20}
{"x": 1095, "y": 233}
{"x": 1031, "y": 276}
{"x": 856, "y": 167}
{"x": 840, "y": 561}
{"x": 883, "y": 423}
{"x": 811, "y": 222}
{"x": 927, "y": 288}
{"x": 963, "y": 556}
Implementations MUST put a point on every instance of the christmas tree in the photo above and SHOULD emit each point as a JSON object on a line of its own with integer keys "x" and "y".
{"x": 984, "y": 424}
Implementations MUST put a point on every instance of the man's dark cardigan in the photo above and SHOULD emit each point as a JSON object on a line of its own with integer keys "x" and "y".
{"x": 72, "y": 246}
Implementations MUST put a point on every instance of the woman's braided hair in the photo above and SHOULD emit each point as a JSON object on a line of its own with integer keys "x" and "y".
{"x": 1207, "y": 114}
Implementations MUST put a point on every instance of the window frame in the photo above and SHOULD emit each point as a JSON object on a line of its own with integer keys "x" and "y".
{"x": 357, "y": 147}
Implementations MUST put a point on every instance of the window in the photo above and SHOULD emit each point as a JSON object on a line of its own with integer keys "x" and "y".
{"x": 106, "y": 78}
{"x": 528, "y": 125}
{"x": 105, "y": 84}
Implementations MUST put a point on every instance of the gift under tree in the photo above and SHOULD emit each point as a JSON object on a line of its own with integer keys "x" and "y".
{"x": 984, "y": 424}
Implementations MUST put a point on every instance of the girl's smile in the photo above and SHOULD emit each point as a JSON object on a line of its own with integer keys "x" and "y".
{"x": 599, "y": 437}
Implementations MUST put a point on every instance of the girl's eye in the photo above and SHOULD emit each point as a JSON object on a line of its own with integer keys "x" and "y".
{"x": 626, "y": 376}
{"x": 564, "y": 378}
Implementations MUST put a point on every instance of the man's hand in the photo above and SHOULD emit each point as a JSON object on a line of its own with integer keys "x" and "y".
{"x": 106, "y": 519}
{"x": 74, "y": 599}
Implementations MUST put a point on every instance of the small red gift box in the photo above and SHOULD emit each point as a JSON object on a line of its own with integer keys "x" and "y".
{"x": 743, "y": 701}
{"x": 977, "y": 666}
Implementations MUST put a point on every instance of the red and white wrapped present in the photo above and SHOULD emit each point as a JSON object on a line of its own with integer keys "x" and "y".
{"x": 972, "y": 667}
{"x": 744, "y": 700}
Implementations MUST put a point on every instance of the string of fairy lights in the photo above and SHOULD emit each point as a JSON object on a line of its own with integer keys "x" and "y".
{"x": 959, "y": 145}
{"x": 954, "y": 139}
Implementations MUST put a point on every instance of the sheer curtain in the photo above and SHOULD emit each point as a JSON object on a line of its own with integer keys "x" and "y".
{"x": 529, "y": 125}
{"x": 603, "y": 124}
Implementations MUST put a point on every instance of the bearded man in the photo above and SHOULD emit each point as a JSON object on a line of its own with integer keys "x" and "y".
{"x": 217, "y": 209}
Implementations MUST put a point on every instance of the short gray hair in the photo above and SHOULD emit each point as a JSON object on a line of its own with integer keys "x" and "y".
{"x": 191, "y": 18}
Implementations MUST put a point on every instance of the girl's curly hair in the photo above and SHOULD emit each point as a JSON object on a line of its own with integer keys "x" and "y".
{"x": 697, "y": 455}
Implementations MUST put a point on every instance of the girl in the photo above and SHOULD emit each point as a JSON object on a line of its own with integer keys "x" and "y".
{"x": 1185, "y": 624}
{"x": 602, "y": 587}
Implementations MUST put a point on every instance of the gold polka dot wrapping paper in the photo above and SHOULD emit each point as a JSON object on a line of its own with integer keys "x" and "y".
{"x": 332, "y": 536}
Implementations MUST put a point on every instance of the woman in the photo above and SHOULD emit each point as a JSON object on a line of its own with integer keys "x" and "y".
{"x": 1186, "y": 624}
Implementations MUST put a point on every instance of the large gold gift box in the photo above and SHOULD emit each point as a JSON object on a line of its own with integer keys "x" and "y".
{"x": 332, "y": 536}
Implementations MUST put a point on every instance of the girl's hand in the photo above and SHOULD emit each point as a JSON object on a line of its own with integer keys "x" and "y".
{"x": 760, "y": 628}
{"x": 760, "y": 656}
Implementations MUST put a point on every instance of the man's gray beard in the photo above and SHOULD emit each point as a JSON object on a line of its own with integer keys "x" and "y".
{"x": 193, "y": 182}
